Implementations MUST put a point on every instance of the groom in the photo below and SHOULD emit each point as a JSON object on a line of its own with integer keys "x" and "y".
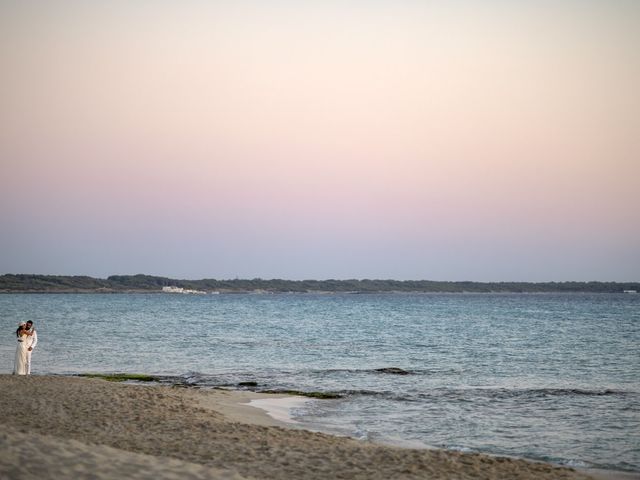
{"x": 32, "y": 341}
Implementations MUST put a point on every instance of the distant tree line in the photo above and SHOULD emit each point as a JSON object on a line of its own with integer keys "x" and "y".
{"x": 147, "y": 283}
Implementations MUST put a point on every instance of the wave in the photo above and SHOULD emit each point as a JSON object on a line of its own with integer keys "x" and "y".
{"x": 384, "y": 370}
{"x": 576, "y": 391}
{"x": 514, "y": 394}
{"x": 449, "y": 394}
{"x": 285, "y": 382}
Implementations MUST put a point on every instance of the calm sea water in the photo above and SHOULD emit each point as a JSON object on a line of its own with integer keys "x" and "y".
{"x": 552, "y": 377}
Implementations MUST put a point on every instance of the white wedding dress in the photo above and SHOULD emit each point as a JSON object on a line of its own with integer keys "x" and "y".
{"x": 20, "y": 367}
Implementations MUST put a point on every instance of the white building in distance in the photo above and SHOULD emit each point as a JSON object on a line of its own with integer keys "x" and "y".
{"x": 172, "y": 289}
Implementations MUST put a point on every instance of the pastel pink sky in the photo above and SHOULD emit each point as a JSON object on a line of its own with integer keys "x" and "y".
{"x": 464, "y": 140}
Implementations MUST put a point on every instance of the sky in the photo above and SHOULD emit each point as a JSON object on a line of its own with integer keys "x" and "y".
{"x": 485, "y": 140}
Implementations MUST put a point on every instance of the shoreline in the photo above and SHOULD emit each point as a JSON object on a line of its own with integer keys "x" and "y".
{"x": 280, "y": 408}
{"x": 34, "y": 283}
{"x": 91, "y": 428}
{"x": 273, "y": 407}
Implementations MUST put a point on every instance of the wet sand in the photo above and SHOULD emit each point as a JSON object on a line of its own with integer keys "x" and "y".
{"x": 71, "y": 427}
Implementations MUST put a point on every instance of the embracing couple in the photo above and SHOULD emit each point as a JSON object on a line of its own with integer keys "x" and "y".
{"x": 27, "y": 340}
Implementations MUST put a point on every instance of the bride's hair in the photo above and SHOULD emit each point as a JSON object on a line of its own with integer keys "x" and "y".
{"x": 18, "y": 330}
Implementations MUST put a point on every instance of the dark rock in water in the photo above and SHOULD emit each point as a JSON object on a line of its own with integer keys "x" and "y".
{"x": 121, "y": 377}
{"x": 248, "y": 384}
{"x": 393, "y": 371}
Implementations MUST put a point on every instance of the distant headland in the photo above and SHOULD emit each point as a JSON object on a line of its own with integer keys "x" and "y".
{"x": 25, "y": 283}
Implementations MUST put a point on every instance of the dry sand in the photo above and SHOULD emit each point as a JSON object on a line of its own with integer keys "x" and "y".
{"x": 80, "y": 428}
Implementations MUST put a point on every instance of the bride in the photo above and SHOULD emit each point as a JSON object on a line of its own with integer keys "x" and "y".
{"x": 20, "y": 367}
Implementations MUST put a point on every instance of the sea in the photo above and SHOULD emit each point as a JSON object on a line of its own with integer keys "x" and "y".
{"x": 551, "y": 377}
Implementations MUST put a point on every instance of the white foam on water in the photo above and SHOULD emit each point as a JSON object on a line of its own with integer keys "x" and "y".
{"x": 280, "y": 408}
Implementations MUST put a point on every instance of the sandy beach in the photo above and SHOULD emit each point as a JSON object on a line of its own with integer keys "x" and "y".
{"x": 69, "y": 427}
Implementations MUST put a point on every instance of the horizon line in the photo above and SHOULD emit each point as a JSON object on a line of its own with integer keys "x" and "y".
{"x": 317, "y": 279}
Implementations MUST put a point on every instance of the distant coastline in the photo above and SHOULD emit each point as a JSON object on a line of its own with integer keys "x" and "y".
{"x": 28, "y": 283}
